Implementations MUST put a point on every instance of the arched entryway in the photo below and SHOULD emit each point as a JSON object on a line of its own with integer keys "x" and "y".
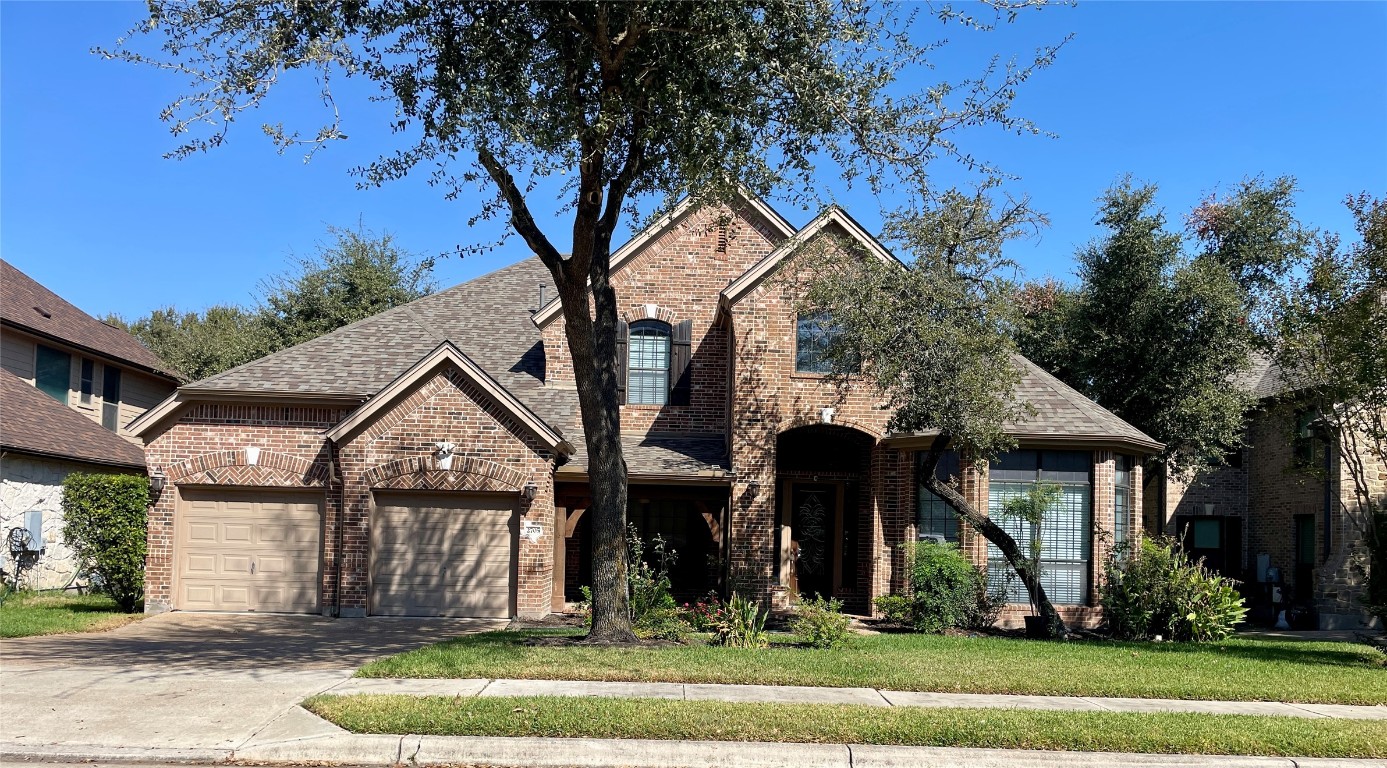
{"x": 824, "y": 503}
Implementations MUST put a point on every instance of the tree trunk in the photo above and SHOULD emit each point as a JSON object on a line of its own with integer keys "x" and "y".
{"x": 983, "y": 524}
{"x": 592, "y": 343}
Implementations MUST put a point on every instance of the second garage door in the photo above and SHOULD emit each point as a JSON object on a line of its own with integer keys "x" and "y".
{"x": 242, "y": 550}
{"x": 443, "y": 555}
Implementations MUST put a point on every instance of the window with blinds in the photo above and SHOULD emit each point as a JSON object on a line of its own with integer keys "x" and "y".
{"x": 1121, "y": 499}
{"x": 933, "y": 517}
{"x": 1066, "y": 531}
{"x": 647, "y": 380}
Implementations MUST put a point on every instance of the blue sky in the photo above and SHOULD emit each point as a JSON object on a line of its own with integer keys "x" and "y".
{"x": 1192, "y": 96}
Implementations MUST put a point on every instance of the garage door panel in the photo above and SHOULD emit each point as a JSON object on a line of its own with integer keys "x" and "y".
{"x": 249, "y": 551}
{"x": 450, "y": 555}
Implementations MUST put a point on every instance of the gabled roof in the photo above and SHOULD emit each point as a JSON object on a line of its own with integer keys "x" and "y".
{"x": 657, "y": 228}
{"x": 834, "y": 216}
{"x": 448, "y": 354}
{"x": 34, "y": 423}
{"x": 26, "y": 305}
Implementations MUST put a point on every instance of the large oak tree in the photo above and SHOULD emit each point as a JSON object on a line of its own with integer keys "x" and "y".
{"x": 614, "y": 101}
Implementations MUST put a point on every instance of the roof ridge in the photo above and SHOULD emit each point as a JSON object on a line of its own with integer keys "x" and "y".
{"x": 406, "y": 309}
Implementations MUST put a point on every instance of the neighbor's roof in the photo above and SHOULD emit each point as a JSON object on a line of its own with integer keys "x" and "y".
{"x": 1263, "y": 379}
{"x": 32, "y": 422}
{"x": 26, "y": 304}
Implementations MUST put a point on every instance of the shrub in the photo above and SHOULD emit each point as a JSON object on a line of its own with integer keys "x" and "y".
{"x": 1155, "y": 589}
{"x": 743, "y": 625}
{"x": 704, "y": 615}
{"x": 895, "y": 609}
{"x": 821, "y": 623}
{"x": 104, "y": 524}
{"x": 654, "y": 613}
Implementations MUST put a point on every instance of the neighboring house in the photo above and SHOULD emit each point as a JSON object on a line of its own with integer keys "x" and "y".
{"x": 1270, "y": 509}
{"x": 71, "y": 385}
{"x": 430, "y": 460}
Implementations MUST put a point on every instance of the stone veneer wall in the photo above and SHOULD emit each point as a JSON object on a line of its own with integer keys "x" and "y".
{"x": 31, "y": 482}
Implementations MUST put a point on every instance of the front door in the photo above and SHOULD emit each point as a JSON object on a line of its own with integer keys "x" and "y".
{"x": 813, "y": 527}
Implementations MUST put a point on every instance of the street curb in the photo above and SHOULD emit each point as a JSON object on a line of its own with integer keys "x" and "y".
{"x": 506, "y": 752}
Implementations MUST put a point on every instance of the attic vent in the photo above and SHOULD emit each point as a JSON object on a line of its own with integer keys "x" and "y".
{"x": 46, "y": 314}
{"x": 722, "y": 240}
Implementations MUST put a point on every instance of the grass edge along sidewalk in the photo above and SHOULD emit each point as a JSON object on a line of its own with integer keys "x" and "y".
{"x": 1239, "y": 669}
{"x": 27, "y": 614}
{"x": 552, "y": 717}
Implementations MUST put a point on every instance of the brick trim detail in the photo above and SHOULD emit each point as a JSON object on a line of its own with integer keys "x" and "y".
{"x": 423, "y": 473}
{"x": 648, "y": 312}
{"x": 233, "y": 468}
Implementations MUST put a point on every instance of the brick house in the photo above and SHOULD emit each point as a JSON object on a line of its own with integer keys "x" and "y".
{"x": 71, "y": 385}
{"x": 430, "y": 460}
{"x": 1270, "y": 508}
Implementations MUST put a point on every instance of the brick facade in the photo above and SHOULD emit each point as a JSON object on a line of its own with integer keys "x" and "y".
{"x": 781, "y": 427}
{"x": 1268, "y": 492}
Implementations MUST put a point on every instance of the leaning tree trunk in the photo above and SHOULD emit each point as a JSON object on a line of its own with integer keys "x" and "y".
{"x": 983, "y": 524}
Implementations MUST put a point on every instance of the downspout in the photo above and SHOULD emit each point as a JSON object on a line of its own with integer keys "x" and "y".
{"x": 1328, "y": 501}
{"x": 335, "y": 474}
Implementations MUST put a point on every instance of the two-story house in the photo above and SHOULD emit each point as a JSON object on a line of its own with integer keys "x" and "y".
{"x": 71, "y": 385}
{"x": 430, "y": 460}
{"x": 1282, "y": 516}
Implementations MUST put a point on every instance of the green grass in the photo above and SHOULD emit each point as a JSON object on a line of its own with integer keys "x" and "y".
{"x": 50, "y": 613}
{"x": 839, "y": 724}
{"x": 1240, "y": 669}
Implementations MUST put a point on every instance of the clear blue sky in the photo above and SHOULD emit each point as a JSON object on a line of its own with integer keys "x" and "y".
{"x": 1193, "y": 96}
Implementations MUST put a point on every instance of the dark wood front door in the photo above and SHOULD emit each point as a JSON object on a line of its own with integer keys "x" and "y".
{"x": 813, "y": 533}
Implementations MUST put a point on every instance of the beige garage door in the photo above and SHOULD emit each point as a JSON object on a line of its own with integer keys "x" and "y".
{"x": 443, "y": 555}
{"x": 248, "y": 551}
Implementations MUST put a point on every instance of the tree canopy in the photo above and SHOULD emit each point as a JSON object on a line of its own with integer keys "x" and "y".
{"x": 610, "y": 101}
{"x": 352, "y": 276}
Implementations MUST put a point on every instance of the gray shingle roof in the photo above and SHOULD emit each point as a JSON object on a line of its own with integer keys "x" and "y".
{"x": 1062, "y": 412}
{"x": 488, "y": 318}
{"x": 704, "y": 456}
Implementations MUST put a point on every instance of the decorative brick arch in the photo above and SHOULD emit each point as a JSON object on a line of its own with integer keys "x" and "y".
{"x": 466, "y": 474}
{"x": 816, "y": 420}
{"x": 637, "y": 312}
{"x": 271, "y": 468}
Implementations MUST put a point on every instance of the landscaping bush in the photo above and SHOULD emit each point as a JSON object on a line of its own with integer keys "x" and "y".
{"x": 704, "y": 615}
{"x": 743, "y": 625}
{"x": 945, "y": 591}
{"x": 654, "y": 614}
{"x": 1156, "y": 590}
{"x": 104, "y": 524}
{"x": 820, "y": 623}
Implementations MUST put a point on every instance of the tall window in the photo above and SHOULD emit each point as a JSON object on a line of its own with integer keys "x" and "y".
{"x": 1121, "y": 499}
{"x": 932, "y": 516}
{"x": 88, "y": 375}
{"x": 110, "y": 398}
{"x": 1066, "y": 529}
{"x": 814, "y": 332}
{"x": 53, "y": 372}
{"x": 648, "y": 371}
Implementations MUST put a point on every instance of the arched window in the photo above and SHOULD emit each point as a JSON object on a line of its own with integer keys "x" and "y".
{"x": 648, "y": 366}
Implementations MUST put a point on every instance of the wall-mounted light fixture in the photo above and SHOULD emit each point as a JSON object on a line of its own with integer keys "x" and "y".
{"x": 444, "y": 454}
{"x": 530, "y": 490}
{"x": 157, "y": 482}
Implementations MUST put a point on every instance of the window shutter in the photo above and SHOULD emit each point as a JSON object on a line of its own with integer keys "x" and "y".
{"x": 623, "y": 335}
{"x": 680, "y": 355}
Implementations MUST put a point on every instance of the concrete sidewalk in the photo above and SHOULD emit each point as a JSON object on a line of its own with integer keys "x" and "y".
{"x": 861, "y": 696}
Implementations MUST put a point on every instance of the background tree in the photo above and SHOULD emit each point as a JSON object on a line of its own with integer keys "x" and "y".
{"x": 936, "y": 340}
{"x": 613, "y": 101}
{"x": 352, "y": 276}
{"x": 1332, "y": 349}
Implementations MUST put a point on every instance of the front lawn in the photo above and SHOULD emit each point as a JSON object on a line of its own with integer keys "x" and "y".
{"x": 1239, "y": 669}
{"x": 840, "y": 724}
{"x": 51, "y": 613}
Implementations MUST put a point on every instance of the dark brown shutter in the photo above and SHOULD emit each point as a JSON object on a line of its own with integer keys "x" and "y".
{"x": 623, "y": 335}
{"x": 680, "y": 354}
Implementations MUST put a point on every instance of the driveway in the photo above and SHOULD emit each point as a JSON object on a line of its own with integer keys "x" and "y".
{"x": 188, "y": 681}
